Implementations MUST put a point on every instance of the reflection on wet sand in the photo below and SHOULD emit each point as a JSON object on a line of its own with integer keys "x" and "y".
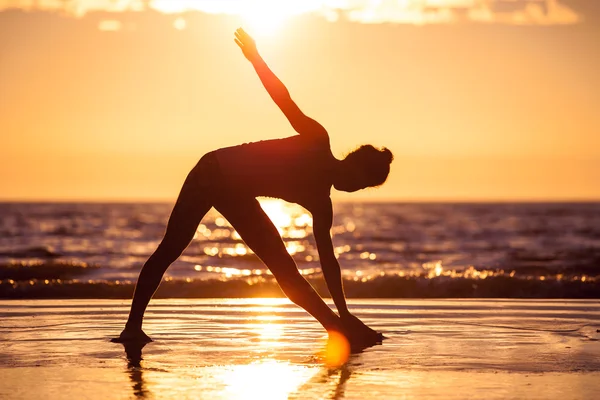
{"x": 133, "y": 352}
{"x": 331, "y": 381}
{"x": 266, "y": 378}
{"x": 267, "y": 331}
{"x": 268, "y": 349}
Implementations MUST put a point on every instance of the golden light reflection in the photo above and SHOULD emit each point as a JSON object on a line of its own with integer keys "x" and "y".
{"x": 435, "y": 269}
{"x": 294, "y": 247}
{"x": 275, "y": 210}
{"x": 291, "y": 220}
{"x": 266, "y": 304}
{"x": 265, "y": 379}
{"x": 268, "y": 330}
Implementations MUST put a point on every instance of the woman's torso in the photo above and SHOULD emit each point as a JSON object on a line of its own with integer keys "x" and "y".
{"x": 297, "y": 169}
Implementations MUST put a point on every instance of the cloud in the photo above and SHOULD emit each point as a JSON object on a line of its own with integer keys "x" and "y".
{"x": 416, "y": 12}
{"x": 513, "y": 12}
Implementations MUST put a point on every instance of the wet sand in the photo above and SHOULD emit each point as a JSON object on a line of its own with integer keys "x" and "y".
{"x": 270, "y": 349}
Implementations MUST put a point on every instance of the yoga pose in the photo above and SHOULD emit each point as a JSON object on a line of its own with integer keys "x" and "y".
{"x": 299, "y": 169}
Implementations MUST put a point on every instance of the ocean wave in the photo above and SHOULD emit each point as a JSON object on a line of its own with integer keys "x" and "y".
{"x": 380, "y": 287}
{"x": 57, "y": 271}
{"x": 31, "y": 252}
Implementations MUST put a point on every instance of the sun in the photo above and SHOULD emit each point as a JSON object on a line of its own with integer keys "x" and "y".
{"x": 264, "y": 21}
{"x": 267, "y": 17}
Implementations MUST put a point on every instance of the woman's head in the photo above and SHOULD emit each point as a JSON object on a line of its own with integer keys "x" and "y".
{"x": 365, "y": 167}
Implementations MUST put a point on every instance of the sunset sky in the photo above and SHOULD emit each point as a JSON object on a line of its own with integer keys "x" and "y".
{"x": 478, "y": 99}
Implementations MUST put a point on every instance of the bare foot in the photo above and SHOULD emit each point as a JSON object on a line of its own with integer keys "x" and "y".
{"x": 132, "y": 336}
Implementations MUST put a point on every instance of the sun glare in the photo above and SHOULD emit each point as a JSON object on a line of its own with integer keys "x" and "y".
{"x": 262, "y": 24}
{"x": 337, "y": 350}
{"x": 267, "y": 17}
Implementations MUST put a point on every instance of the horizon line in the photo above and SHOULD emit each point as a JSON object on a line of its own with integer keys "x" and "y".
{"x": 335, "y": 200}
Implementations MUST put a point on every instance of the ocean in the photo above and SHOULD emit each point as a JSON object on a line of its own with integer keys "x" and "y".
{"x": 390, "y": 250}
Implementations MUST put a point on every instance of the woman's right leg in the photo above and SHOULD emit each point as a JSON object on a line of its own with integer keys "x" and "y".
{"x": 259, "y": 233}
{"x": 191, "y": 206}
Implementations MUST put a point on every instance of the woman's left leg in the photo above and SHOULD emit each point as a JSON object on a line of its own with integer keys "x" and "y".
{"x": 191, "y": 206}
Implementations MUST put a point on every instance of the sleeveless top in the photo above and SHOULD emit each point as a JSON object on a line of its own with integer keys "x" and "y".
{"x": 292, "y": 169}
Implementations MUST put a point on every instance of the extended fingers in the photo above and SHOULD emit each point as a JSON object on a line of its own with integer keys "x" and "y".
{"x": 242, "y": 35}
{"x": 239, "y": 34}
{"x": 238, "y": 43}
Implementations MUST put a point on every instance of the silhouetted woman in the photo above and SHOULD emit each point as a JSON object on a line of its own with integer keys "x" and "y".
{"x": 299, "y": 169}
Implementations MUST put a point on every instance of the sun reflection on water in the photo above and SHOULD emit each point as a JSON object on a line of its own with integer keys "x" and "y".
{"x": 277, "y": 212}
{"x": 270, "y": 331}
{"x": 266, "y": 379}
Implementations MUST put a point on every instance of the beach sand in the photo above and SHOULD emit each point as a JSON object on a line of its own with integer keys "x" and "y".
{"x": 270, "y": 349}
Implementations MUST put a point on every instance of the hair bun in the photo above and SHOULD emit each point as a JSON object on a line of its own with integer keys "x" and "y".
{"x": 389, "y": 156}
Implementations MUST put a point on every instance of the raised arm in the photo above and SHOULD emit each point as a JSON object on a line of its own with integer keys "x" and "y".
{"x": 301, "y": 123}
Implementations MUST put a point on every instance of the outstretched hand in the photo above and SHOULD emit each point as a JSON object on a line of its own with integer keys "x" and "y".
{"x": 247, "y": 44}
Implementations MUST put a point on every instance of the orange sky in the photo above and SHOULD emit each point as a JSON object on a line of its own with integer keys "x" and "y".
{"x": 505, "y": 108}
